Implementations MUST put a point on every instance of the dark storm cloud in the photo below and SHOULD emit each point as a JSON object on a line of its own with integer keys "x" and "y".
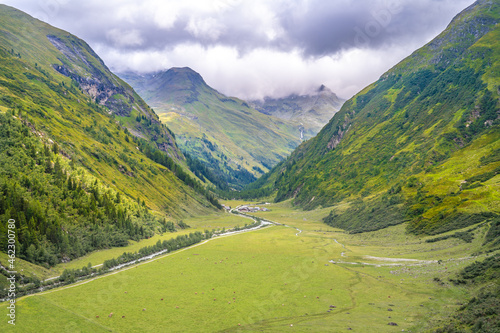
{"x": 326, "y": 27}
{"x": 317, "y": 27}
{"x": 254, "y": 48}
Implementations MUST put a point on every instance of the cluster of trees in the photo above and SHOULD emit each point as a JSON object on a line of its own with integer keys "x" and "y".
{"x": 217, "y": 171}
{"x": 204, "y": 173}
{"x": 61, "y": 212}
{"x": 172, "y": 244}
{"x": 71, "y": 275}
{"x": 259, "y": 189}
{"x": 23, "y": 283}
{"x": 162, "y": 158}
{"x": 382, "y": 212}
{"x": 248, "y": 226}
{"x": 479, "y": 314}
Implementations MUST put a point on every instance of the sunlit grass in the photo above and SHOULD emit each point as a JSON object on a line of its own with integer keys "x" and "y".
{"x": 199, "y": 223}
{"x": 273, "y": 279}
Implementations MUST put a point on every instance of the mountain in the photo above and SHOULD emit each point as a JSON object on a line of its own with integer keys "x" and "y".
{"x": 311, "y": 112}
{"x": 237, "y": 142}
{"x": 84, "y": 162}
{"x": 420, "y": 145}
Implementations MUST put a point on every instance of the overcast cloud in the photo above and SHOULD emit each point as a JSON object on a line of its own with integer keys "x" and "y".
{"x": 254, "y": 48}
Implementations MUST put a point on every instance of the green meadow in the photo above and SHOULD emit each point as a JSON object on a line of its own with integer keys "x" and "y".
{"x": 274, "y": 279}
{"x": 215, "y": 221}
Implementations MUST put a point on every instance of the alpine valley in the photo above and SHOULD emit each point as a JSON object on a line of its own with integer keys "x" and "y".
{"x": 121, "y": 206}
{"x": 234, "y": 140}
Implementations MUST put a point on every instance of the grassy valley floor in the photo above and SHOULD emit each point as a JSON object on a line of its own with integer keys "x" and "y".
{"x": 276, "y": 279}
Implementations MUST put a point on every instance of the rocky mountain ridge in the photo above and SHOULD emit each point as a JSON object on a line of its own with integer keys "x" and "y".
{"x": 310, "y": 111}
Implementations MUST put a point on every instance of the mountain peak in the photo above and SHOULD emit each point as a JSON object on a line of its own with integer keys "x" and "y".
{"x": 178, "y": 85}
{"x": 180, "y": 71}
{"x": 181, "y": 77}
{"x": 322, "y": 88}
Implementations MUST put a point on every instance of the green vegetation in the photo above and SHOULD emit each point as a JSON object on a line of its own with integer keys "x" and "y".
{"x": 61, "y": 212}
{"x": 381, "y": 212}
{"x": 234, "y": 141}
{"x": 418, "y": 145}
{"x": 481, "y": 313}
{"x": 405, "y": 177}
{"x": 478, "y": 272}
{"x": 162, "y": 158}
{"x": 493, "y": 236}
{"x": 251, "y": 282}
{"x": 31, "y": 284}
{"x": 96, "y": 135}
{"x": 172, "y": 244}
{"x": 85, "y": 164}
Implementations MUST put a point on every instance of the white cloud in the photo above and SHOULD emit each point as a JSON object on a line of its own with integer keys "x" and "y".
{"x": 121, "y": 38}
{"x": 265, "y": 72}
{"x": 207, "y": 28}
{"x": 254, "y": 48}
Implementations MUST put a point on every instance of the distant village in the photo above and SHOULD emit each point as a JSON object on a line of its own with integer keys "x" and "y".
{"x": 248, "y": 209}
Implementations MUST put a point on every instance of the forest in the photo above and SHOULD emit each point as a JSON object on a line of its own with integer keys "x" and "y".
{"x": 61, "y": 211}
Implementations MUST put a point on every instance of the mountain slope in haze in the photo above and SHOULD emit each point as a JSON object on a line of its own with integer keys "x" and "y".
{"x": 421, "y": 144}
{"x": 85, "y": 163}
{"x": 311, "y": 112}
{"x": 237, "y": 142}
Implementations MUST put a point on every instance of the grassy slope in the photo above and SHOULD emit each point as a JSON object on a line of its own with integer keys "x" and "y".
{"x": 97, "y": 141}
{"x": 247, "y": 138}
{"x": 259, "y": 280}
{"x": 217, "y": 129}
{"x": 30, "y": 39}
{"x": 59, "y": 110}
{"x": 404, "y": 147}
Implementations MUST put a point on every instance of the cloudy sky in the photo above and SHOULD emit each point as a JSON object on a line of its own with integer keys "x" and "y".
{"x": 254, "y": 48}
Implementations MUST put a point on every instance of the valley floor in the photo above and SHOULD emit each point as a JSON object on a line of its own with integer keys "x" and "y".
{"x": 300, "y": 276}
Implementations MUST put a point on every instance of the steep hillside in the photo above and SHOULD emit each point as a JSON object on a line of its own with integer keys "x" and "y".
{"x": 237, "y": 142}
{"x": 85, "y": 163}
{"x": 421, "y": 144}
{"x": 310, "y": 112}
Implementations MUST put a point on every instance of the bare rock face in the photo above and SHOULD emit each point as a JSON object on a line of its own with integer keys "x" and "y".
{"x": 95, "y": 83}
{"x": 80, "y": 63}
{"x": 341, "y": 131}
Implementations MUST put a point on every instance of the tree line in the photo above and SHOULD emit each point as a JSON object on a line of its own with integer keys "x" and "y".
{"x": 61, "y": 212}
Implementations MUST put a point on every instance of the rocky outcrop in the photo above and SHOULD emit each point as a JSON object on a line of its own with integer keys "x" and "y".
{"x": 340, "y": 132}
{"x": 80, "y": 63}
{"x": 97, "y": 85}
